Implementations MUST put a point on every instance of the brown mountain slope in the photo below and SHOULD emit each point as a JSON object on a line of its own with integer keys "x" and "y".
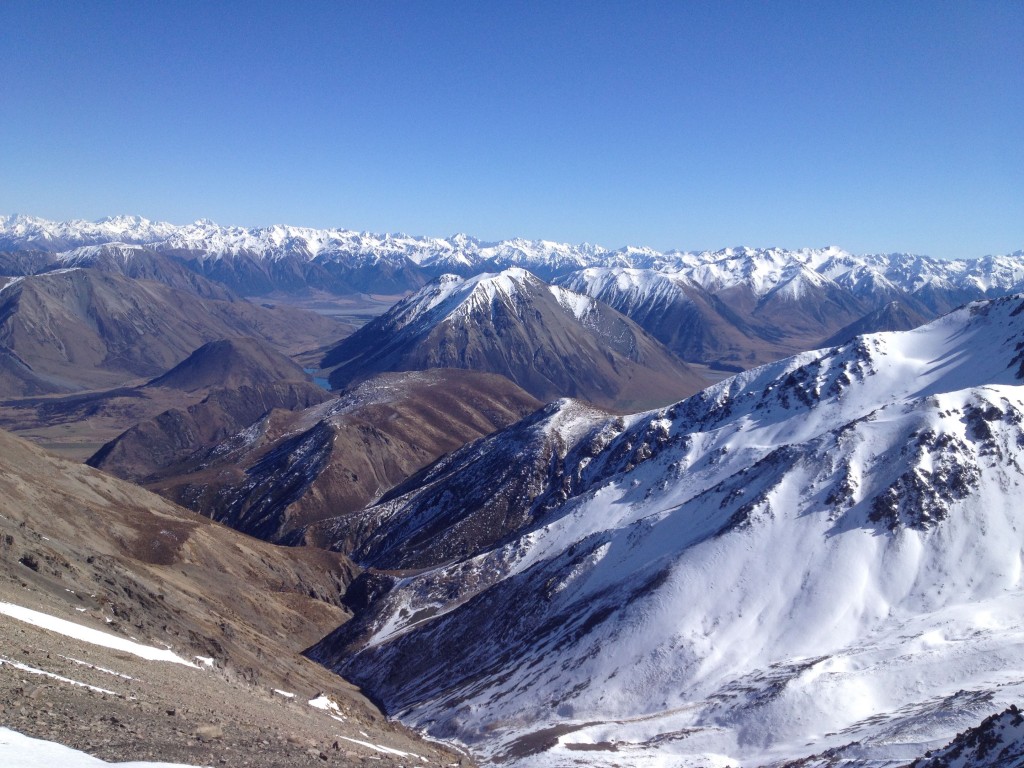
{"x": 230, "y": 363}
{"x": 468, "y": 500}
{"x": 91, "y": 549}
{"x": 294, "y": 468}
{"x": 85, "y": 328}
{"x": 140, "y": 263}
{"x": 177, "y": 433}
{"x": 77, "y": 425}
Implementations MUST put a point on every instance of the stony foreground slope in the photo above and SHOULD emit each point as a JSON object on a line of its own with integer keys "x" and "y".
{"x": 85, "y": 547}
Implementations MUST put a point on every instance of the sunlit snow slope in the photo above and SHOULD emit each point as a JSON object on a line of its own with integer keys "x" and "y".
{"x": 820, "y": 554}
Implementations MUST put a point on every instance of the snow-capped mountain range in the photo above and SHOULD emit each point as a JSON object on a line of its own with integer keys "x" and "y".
{"x": 823, "y": 554}
{"x": 732, "y": 308}
{"x": 763, "y": 269}
{"x": 208, "y": 240}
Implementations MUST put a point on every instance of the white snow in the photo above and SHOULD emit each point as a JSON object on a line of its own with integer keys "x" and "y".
{"x": 59, "y": 678}
{"x": 89, "y": 635}
{"x": 10, "y": 282}
{"x": 386, "y": 750}
{"x": 20, "y": 751}
{"x": 452, "y": 296}
{"x": 578, "y": 305}
{"x": 758, "y": 269}
{"x": 325, "y": 703}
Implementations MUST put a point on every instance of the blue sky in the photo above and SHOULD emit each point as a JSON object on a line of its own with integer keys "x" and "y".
{"x": 874, "y": 126}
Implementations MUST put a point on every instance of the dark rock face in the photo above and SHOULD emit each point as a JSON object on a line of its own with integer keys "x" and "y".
{"x": 998, "y": 742}
{"x": 23, "y": 262}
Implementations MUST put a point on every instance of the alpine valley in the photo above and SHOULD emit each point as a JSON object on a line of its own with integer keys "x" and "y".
{"x": 436, "y": 501}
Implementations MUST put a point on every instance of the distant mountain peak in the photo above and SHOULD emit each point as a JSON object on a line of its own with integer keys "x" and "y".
{"x": 231, "y": 362}
{"x": 549, "y": 340}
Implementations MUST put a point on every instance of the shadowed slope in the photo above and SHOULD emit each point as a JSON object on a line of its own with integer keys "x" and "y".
{"x": 290, "y": 469}
{"x": 85, "y": 328}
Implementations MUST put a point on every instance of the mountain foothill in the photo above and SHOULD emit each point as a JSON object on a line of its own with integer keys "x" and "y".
{"x": 408, "y": 500}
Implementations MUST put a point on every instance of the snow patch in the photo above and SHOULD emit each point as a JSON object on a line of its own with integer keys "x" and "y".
{"x": 20, "y": 751}
{"x": 52, "y": 676}
{"x": 89, "y": 635}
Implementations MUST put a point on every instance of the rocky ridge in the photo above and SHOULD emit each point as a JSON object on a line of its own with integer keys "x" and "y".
{"x": 291, "y": 468}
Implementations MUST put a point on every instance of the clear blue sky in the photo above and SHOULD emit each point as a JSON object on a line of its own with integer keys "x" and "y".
{"x": 875, "y": 126}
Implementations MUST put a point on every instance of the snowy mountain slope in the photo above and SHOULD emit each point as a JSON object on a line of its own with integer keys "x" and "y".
{"x": 550, "y": 341}
{"x": 998, "y": 741}
{"x": 820, "y": 554}
{"x": 743, "y": 307}
{"x": 212, "y": 241}
{"x": 731, "y": 326}
{"x": 21, "y": 232}
{"x": 263, "y": 259}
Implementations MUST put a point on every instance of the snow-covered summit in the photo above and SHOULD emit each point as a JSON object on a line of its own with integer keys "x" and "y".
{"x": 738, "y": 306}
{"x": 451, "y": 295}
{"x": 20, "y": 232}
{"x": 208, "y": 240}
{"x": 88, "y": 254}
